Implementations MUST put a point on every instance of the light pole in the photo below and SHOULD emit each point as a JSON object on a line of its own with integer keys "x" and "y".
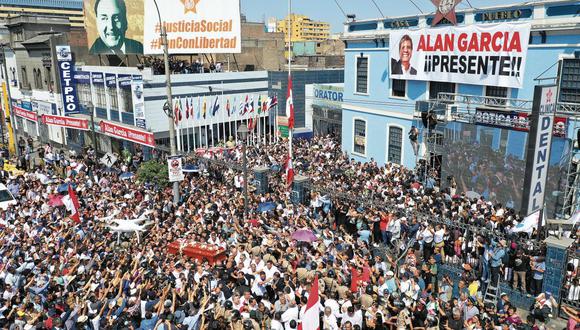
{"x": 10, "y": 126}
{"x": 169, "y": 103}
{"x": 243, "y": 132}
{"x": 91, "y": 108}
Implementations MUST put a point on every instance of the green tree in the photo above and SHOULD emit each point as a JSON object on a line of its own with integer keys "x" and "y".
{"x": 153, "y": 172}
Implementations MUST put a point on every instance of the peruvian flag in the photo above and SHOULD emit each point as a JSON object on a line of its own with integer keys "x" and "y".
{"x": 289, "y": 171}
{"x": 310, "y": 319}
{"x": 290, "y": 104}
{"x": 72, "y": 204}
{"x": 187, "y": 109}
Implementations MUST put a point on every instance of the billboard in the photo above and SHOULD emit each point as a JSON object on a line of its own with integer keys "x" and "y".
{"x": 490, "y": 54}
{"x": 114, "y": 26}
{"x": 539, "y": 147}
{"x": 138, "y": 103}
{"x": 68, "y": 83}
{"x": 193, "y": 26}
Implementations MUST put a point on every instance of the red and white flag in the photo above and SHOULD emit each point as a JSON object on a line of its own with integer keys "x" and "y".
{"x": 290, "y": 104}
{"x": 72, "y": 204}
{"x": 289, "y": 171}
{"x": 310, "y": 319}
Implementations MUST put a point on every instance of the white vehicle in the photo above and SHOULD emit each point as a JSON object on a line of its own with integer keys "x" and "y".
{"x": 6, "y": 197}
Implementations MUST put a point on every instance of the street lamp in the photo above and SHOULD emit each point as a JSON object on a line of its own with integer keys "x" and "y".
{"x": 169, "y": 103}
{"x": 91, "y": 109}
{"x": 243, "y": 132}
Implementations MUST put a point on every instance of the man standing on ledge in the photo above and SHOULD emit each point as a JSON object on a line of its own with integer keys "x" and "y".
{"x": 112, "y": 25}
{"x": 403, "y": 65}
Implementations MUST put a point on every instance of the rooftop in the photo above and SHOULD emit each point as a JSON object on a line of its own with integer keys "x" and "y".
{"x": 52, "y": 4}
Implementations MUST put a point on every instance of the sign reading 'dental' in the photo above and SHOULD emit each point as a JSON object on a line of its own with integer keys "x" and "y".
{"x": 67, "y": 80}
{"x": 175, "y": 169}
{"x": 193, "y": 26}
{"x": 490, "y": 54}
{"x": 539, "y": 146}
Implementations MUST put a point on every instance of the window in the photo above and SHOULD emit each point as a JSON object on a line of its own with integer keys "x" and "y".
{"x": 101, "y": 99}
{"x": 362, "y": 74}
{"x": 127, "y": 99}
{"x": 398, "y": 88}
{"x": 495, "y": 91}
{"x": 395, "y": 145}
{"x": 570, "y": 80}
{"x": 436, "y": 87}
{"x": 37, "y": 78}
{"x": 84, "y": 92}
{"x": 113, "y": 97}
{"x": 49, "y": 82}
{"x": 360, "y": 136}
{"x": 24, "y": 78}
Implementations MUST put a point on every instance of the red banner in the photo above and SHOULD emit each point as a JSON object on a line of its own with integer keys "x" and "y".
{"x": 129, "y": 134}
{"x": 69, "y": 122}
{"x": 20, "y": 112}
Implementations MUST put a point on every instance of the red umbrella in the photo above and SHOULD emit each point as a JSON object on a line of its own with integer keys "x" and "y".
{"x": 55, "y": 200}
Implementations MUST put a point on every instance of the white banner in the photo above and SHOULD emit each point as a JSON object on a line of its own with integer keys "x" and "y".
{"x": 487, "y": 54}
{"x": 138, "y": 103}
{"x": 193, "y": 26}
{"x": 175, "y": 169}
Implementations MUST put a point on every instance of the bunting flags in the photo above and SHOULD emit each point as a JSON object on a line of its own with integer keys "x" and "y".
{"x": 228, "y": 106}
{"x": 204, "y": 108}
{"x": 216, "y": 106}
{"x": 272, "y": 102}
{"x": 290, "y": 104}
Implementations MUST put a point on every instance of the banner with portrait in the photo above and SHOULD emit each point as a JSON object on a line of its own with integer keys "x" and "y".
{"x": 193, "y": 26}
{"x": 114, "y": 26}
{"x": 487, "y": 54}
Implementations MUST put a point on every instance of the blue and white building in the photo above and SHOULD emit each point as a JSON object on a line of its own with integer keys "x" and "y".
{"x": 378, "y": 111}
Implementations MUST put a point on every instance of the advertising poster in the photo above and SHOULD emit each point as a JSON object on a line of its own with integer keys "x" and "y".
{"x": 68, "y": 83}
{"x": 193, "y": 26}
{"x": 114, "y": 26}
{"x": 490, "y": 54}
{"x": 138, "y": 103}
{"x": 175, "y": 169}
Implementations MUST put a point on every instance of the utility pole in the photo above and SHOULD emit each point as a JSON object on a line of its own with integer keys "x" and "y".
{"x": 10, "y": 126}
{"x": 173, "y": 148}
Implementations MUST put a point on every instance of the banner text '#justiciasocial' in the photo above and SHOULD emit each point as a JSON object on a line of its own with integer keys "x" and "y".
{"x": 473, "y": 43}
{"x": 196, "y": 26}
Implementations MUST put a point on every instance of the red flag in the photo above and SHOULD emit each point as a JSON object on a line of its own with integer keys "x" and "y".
{"x": 290, "y": 104}
{"x": 187, "y": 109}
{"x": 74, "y": 206}
{"x": 289, "y": 172}
{"x": 310, "y": 319}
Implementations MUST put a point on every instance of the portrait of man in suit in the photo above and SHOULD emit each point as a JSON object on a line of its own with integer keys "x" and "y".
{"x": 111, "y": 19}
{"x": 403, "y": 65}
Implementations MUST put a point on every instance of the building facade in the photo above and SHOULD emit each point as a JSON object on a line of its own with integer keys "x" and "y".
{"x": 68, "y": 9}
{"x": 303, "y": 29}
{"x": 380, "y": 110}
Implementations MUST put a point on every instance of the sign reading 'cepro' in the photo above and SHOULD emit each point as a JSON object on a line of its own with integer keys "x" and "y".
{"x": 490, "y": 54}
{"x": 193, "y": 26}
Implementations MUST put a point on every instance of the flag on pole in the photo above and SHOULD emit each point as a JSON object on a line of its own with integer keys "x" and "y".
{"x": 72, "y": 205}
{"x": 272, "y": 102}
{"x": 289, "y": 171}
{"x": 259, "y": 104}
{"x": 204, "y": 108}
{"x": 290, "y": 104}
{"x": 244, "y": 106}
{"x": 191, "y": 113}
{"x": 216, "y": 106}
{"x": 228, "y": 106}
{"x": 176, "y": 113}
{"x": 187, "y": 109}
{"x": 265, "y": 104}
{"x": 251, "y": 106}
{"x": 310, "y": 319}
{"x": 529, "y": 223}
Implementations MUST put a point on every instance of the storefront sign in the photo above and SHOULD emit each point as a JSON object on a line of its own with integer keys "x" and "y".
{"x": 328, "y": 95}
{"x": 41, "y": 107}
{"x": 129, "y": 134}
{"x": 519, "y": 121}
{"x": 487, "y": 54}
{"x": 68, "y": 122}
{"x": 67, "y": 81}
{"x": 97, "y": 78}
{"x": 539, "y": 146}
{"x": 111, "y": 80}
{"x": 124, "y": 81}
{"x": 23, "y": 113}
{"x": 83, "y": 77}
{"x": 174, "y": 166}
{"x": 502, "y": 15}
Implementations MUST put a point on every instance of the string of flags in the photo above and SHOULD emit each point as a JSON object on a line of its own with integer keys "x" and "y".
{"x": 185, "y": 108}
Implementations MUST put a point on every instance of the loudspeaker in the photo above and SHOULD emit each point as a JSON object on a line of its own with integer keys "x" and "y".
{"x": 261, "y": 180}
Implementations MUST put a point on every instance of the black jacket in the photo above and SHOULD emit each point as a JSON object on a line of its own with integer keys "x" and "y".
{"x": 397, "y": 68}
{"x": 131, "y": 47}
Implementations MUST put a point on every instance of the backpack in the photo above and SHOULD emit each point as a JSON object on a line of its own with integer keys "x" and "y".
{"x": 506, "y": 257}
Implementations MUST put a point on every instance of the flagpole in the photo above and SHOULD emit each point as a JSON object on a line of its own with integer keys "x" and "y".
{"x": 290, "y": 72}
{"x": 188, "y": 123}
{"x": 178, "y": 124}
{"x": 205, "y": 126}
{"x": 193, "y": 123}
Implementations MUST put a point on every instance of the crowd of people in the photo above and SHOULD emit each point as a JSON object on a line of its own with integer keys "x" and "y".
{"x": 379, "y": 266}
{"x": 179, "y": 66}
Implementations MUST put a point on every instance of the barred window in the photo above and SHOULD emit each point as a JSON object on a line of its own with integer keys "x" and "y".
{"x": 362, "y": 73}
{"x": 84, "y": 93}
{"x": 360, "y": 133}
{"x": 436, "y": 87}
{"x": 395, "y": 144}
{"x": 496, "y": 91}
{"x": 113, "y": 98}
{"x": 398, "y": 88}
{"x": 101, "y": 99}
{"x": 570, "y": 80}
{"x": 127, "y": 99}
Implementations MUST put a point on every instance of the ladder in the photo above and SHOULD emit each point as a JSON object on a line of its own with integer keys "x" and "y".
{"x": 491, "y": 292}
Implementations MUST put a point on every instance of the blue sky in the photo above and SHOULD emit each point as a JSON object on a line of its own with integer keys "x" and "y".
{"x": 328, "y": 11}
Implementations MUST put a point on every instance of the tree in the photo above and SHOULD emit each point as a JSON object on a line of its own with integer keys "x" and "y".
{"x": 153, "y": 172}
